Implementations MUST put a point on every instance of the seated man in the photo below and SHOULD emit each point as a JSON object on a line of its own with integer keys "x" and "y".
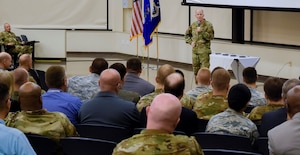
{"x": 32, "y": 119}
{"x": 5, "y": 61}
{"x": 13, "y": 140}
{"x": 215, "y": 101}
{"x": 232, "y": 120}
{"x": 157, "y": 138}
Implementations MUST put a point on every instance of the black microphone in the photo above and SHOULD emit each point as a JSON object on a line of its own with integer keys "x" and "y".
{"x": 198, "y": 23}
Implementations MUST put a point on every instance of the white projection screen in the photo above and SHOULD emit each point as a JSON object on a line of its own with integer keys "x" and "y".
{"x": 54, "y": 14}
{"x": 259, "y": 4}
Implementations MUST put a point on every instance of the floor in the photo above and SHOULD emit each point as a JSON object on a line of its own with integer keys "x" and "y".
{"x": 78, "y": 64}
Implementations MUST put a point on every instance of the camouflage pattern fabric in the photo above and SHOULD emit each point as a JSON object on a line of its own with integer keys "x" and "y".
{"x": 147, "y": 99}
{"x": 129, "y": 96}
{"x": 201, "y": 50}
{"x": 232, "y": 122}
{"x": 158, "y": 142}
{"x": 198, "y": 90}
{"x": 84, "y": 87}
{"x": 10, "y": 37}
{"x": 257, "y": 112}
{"x": 208, "y": 105}
{"x": 257, "y": 98}
{"x": 54, "y": 125}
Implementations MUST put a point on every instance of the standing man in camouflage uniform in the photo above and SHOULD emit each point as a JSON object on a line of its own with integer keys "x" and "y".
{"x": 157, "y": 138}
{"x": 9, "y": 38}
{"x": 199, "y": 35}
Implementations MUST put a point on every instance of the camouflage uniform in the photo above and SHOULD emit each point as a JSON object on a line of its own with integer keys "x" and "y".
{"x": 199, "y": 90}
{"x": 257, "y": 112}
{"x": 54, "y": 125}
{"x": 257, "y": 98}
{"x": 147, "y": 99}
{"x": 232, "y": 122}
{"x": 208, "y": 105}
{"x": 10, "y": 37}
{"x": 201, "y": 50}
{"x": 84, "y": 87}
{"x": 158, "y": 142}
{"x": 129, "y": 95}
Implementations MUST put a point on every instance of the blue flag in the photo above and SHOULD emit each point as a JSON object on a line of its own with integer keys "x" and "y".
{"x": 155, "y": 15}
{"x": 148, "y": 27}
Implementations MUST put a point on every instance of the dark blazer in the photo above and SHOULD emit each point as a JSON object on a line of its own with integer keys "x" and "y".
{"x": 188, "y": 121}
{"x": 136, "y": 84}
{"x": 107, "y": 108}
{"x": 272, "y": 119}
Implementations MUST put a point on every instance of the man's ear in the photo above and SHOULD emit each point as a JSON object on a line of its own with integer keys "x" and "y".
{"x": 147, "y": 110}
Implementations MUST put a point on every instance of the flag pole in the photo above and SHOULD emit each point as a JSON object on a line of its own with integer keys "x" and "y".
{"x": 157, "y": 57}
{"x": 137, "y": 46}
{"x": 148, "y": 63}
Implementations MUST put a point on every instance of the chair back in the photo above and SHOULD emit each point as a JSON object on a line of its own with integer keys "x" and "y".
{"x": 202, "y": 125}
{"x": 227, "y": 152}
{"x": 261, "y": 145}
{"x": 90, "y": 146}
{"x": 105, "y": 132}
{"x": 24, "y": 38}
{"x": 42, "y": 145}
{"x": 223, "y": 141}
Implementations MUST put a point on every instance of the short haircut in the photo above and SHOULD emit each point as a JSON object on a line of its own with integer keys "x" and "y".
{"x": 4, "y": 95}
{"x": 220, "y": 79}
{"x": 120, "y": 68}
{"x": 289, "y": 84}
{"x": 250, "y": 75}
{"x": 134, "y": 65}
{"x": 273, "y": 88}
{"x": 238, "y": 97}
{"x": 55, "y": 76}
{"x": 99, "y": 65}
{"x": 163, "y": 71}
{"x": 174, "y": 85}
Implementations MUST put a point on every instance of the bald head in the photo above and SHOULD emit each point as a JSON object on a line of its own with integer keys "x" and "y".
{"x": 25, "y": 61}
{"x": 174, "y": 84}
{"x": 5, "y": 60}
{"x": 293, "y": 101}
{"x": 164, "y": 112}
{"x": 7, "y": 27}
{"x": 21, "y": 76}
{"x": 110, "y": 80}
{"x": 30, "y": 97}
{"x": 203, "y": 76}
{"x": 289, "y": 84}
{"x": 162, "y": 72}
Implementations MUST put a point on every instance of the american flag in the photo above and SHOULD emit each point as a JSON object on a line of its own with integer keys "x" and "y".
{"x": 137, "y": 20}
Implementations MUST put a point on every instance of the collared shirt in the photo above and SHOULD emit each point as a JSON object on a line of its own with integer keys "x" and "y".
{"x": 257, "y": 98}
{"x": 54, "y": 125}
{"x": 158, "y": 142}
{"x": 55, "y": 100}
{"x": 13, "y": 141}
{"x": 198, "y": 90}
{"x": 84, "y": 87}
{"x": 232, "y": 122}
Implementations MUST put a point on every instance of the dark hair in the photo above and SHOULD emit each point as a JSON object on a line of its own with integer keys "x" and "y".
{"x": 120, "y": 68}
{"x": 134, "y": 65}
{"x": 273, "y": 88}
{"x": 250, "y": 75}
{"x": 55, "y": 76}
{"x": 180, "y": 72}
{"x": 238, "y": 97}
{"x": 174, "y": 88}
{"x": 4, "y": 94}
{"x": 99, "y": 65}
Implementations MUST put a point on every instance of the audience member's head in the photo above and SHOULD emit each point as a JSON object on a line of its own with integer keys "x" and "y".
{"x": 110, "y": 81}
{"x": 174, "y": 84}
{"x": 293, "y": 101}
{"x": 273, "y": 89}
{"x": 287, "y": 85}
{"x": 220, "y": 80}
{"x": 4, "y": 100}
{"x": 180, "y": 72}
{"x": 203, "y": 76}
{"x": 134, "y": 65}
{"x": 164, "y": 112}
{"x": 218, "y": 67}
{"x": 25, "y": 61}
{"x": 5, "y": 60}
{"x": 238, "y": 97}
{"x": 8, "y": 79}
{"x": 98, "y": 65}
{"x": 21, "y": 76}
{"x": 250, "y": 75}
{"x": 30, "y": 97}
{"x": 7, "y": 27}
{"x": 55, "y": 77}
{"x": 120, "y": 68}
{"x": 162, "y": 72}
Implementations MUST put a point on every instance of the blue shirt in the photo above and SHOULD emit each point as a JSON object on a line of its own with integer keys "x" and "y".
{"x": 13, "y": 141}
{"x": 55, "y": 100}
